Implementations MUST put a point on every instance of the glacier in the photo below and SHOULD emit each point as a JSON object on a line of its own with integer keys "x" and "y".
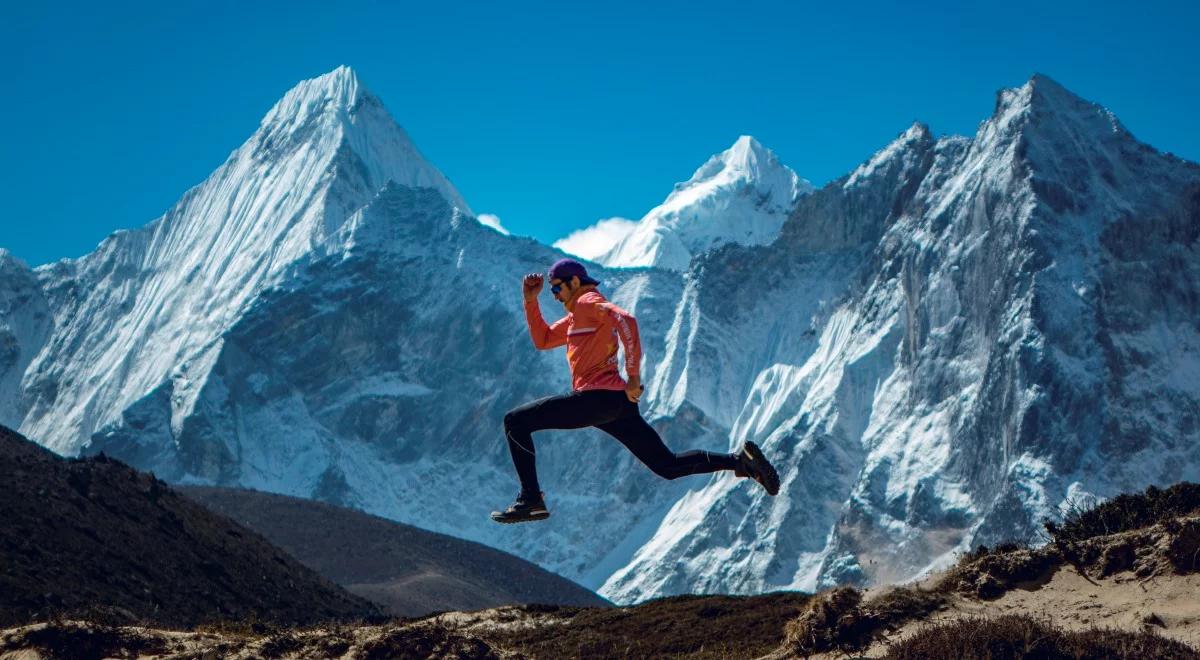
{"x": 939, "y": 349}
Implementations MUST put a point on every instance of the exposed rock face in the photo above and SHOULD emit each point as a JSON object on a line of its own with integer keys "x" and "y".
{"x": 24, "y": 327}
{"x": 961, "y": 335}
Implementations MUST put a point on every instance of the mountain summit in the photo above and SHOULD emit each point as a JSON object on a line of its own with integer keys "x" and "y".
{"x": 741, "y": 195}
{"x": 160, "y": 297}
{"x": 336, "y": 116}
{"x": 337, "y": 91}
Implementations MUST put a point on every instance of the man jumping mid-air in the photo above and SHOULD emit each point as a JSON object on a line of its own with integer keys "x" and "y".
{"x": 599, "y": 396}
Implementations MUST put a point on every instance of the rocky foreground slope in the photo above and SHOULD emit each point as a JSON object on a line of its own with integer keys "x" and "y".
{"x": 1118, "y": 581}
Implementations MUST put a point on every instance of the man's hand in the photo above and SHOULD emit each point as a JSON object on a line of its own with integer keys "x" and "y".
{"x": 531, "y": 286}
{"x": 634, "y": 389}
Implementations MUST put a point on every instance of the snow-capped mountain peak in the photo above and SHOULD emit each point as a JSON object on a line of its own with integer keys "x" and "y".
{"x": 747, "y": 159}
{"x": 1041, "y": 108}
{"x": 1076, "y": 153}
{"x": 165, "y": 292}
{"x": 746, "y": 163}
{"x": 336, "y": 91}
{"x": 915, "y": 135}
{"x": 1044, "y": 98}
{"x": 336, "y": 115}
{"x": 741, "y": 195}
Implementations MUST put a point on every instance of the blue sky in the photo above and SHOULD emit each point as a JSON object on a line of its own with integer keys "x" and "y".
{"x": 549, "y": 116}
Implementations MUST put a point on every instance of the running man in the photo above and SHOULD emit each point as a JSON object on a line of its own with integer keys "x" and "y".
{"x": 599, "y": 396}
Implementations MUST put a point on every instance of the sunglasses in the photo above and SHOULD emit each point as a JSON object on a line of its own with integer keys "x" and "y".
{"x": 555, "y": 288}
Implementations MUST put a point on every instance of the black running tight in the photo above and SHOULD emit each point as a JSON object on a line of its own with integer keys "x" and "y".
{"x": 612, "y": 412}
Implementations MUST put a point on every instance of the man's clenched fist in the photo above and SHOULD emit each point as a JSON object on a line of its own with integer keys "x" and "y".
{"x": 531, "y": 286}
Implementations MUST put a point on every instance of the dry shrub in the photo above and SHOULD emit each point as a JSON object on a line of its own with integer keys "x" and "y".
{"x": 1126, "y": 512}
{"x": 69, "y": 640}
{"x": 1015, "y": 636}
{"x": 839, "y": 619}
{"x": 901, "y": 604}
{"x": 1091, "y": 540}
{"x": 281, "y": 643}
{"x": 989, "y": 573}
{"x": 827, "y": 624}
{"x": 1171, "y": 546}
{"x": 425, "y": 641}
{"x": 247, "y": 628}
{"x": 1183, "y": 546}
{"x": 695, "y": 627}
{"x": 334, "y": 643}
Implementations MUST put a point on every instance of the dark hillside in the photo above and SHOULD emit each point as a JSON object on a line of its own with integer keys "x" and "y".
{"x": 407, "y": 570}
{"x": 94, "y": 536}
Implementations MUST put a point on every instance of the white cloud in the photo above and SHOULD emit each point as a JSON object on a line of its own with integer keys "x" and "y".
{"x": 493, "y": 221}
{"x": 591, "y": 242}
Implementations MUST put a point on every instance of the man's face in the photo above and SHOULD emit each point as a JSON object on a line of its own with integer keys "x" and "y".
{"x": 563, "y": 295}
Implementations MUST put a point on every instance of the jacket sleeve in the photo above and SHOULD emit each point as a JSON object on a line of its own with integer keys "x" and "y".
{"x": 627, "y": 331}
{"x": 544, "y": 337}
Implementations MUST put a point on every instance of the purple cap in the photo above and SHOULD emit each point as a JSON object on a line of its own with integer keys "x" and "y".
{"x": 565, "y": 269}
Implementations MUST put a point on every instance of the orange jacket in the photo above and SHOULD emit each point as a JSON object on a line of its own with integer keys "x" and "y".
{"x": 590, "y": 332}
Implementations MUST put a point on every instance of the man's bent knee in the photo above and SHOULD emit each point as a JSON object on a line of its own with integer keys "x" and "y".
{"x": 512, "y": 420}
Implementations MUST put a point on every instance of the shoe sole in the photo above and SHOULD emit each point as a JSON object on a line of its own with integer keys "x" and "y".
{"x": 538, "y": 515}
{"x": 767, "y": 476}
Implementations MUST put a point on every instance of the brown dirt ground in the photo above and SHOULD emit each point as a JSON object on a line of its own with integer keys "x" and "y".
{"x": 1168, "y": 604}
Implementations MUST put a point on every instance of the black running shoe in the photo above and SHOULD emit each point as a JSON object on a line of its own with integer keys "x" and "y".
{"x": 526, "y": 508}
{"x": 752, "y": 463}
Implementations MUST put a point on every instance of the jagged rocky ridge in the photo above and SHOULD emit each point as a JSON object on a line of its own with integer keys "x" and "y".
{"x": 938, "y": 350}
{"x": 944, "y": 347}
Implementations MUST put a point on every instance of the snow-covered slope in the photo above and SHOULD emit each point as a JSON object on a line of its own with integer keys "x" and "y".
{"x": 24, "y": 326}
{"x": 970, "y": 333}
{"x": 741, "y": 195}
